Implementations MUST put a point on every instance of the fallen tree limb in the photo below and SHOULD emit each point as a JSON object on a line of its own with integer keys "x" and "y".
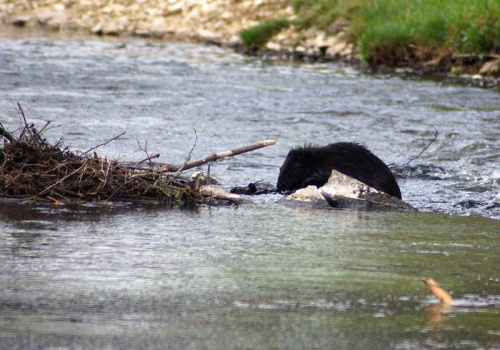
{"x": 215, "y": 156}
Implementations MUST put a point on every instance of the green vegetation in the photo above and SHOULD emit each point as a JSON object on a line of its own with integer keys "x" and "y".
{"x": 258, "y": 35}
{"x": 317, "y": 13}
{"x": 392, "y": 31}
{"x": 395, "y": 32}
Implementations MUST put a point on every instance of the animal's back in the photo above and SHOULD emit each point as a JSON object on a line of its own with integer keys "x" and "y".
{"x": 312, "y": 165}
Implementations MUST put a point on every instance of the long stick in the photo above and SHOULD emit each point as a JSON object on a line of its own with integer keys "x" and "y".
{"x": 215, "y": 156}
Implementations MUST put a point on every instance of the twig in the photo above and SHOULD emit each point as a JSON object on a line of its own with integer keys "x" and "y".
{"x": 145, "y": 150}
{"x": 22, "y": 114}
{"x": 104, "y": 143}
{"x": 43, "y": 129}
{"x": 55, "y": 201}
{"x": 146, "y": 159}
{"x": 216, "y": 156}
{"x": 26, "y": 126}
{"x": 474, "y": 55}
{"x": 188, "y": 158}
{"x": 425, "y": 148}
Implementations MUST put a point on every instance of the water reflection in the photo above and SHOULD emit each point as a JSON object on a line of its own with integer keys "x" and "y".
{"x": 437, "y": 314}
{"x": 264, "y": 276}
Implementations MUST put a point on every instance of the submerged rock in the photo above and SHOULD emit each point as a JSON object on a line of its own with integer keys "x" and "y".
{"x": 255, "y": 188}
{"x": 342, "y": 191}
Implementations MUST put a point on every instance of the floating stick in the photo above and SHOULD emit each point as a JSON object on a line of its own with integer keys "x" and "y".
{"x": 438, "y": 291}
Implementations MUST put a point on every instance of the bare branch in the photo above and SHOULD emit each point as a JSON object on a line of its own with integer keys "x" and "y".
{"x": 188, "y": 158}
{"x": 425, "y": 147}
{"x": 104, "y": 143}
{"x": 146, "y": 159}
{"x": 22, "y": 114}
{"x": 26, "y": 126}
{"x": 216, "y": 156}
{"x": 43, "y": 129}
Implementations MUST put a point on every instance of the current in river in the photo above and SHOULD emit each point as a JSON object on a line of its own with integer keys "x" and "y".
{"x": 263, "y": 275}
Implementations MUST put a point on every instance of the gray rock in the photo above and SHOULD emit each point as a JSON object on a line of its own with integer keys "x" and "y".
{"x": 342, "y": 191}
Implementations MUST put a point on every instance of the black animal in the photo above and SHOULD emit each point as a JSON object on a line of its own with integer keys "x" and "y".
{"x": 312, "y": 165}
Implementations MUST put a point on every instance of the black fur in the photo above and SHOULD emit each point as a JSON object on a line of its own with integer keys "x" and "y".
{"x": 312, "y": 165}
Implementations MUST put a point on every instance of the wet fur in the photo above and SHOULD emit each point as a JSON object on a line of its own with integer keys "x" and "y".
{"x": 312, "y": 165}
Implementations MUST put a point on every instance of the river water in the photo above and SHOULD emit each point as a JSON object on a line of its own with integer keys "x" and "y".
{"x": 264, "y": 275}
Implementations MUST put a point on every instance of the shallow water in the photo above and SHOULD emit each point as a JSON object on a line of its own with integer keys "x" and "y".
{"x": 224, "y": 278}
{"x": 167, "y": 96}
{"x": 263, "y": 275}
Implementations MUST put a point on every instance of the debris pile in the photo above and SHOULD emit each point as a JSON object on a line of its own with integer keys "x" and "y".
{"x": 30, "y": 167}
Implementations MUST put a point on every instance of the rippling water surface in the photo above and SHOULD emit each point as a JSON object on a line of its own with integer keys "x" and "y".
{"x": 263, "y": 275}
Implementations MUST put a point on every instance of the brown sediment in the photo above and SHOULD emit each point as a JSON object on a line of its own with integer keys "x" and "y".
{"x": 438, "y": 291}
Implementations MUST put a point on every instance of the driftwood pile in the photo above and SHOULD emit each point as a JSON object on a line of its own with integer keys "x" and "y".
{"x": 32, "y": 168}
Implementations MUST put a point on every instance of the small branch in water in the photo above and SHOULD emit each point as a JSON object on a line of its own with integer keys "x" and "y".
{"x": 438, "y": 291}
{"x": 425, "y": 147}
{"x": 188, "y": 158}
{"x": 475, "y": 55}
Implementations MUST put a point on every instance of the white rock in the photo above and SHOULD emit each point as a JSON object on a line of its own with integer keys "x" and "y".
{"x": 59, "y": 7}
{"x": 271, "y": 45}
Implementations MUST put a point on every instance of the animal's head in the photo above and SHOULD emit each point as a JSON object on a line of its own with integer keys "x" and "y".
{"x": 295, "y": 170}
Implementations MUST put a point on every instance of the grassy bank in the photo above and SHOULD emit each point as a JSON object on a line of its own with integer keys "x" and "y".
{"x": 258, "y": 35}
{"x": 449, "y": 34}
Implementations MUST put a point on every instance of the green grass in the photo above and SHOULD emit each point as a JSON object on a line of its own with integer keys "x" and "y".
{"x": 258, "y": 35}
{"x": 401, "y": 31}
{"x": 427, "y": 27}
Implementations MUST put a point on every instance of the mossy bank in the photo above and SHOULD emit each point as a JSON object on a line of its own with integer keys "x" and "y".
{"x": 454, "y": 36}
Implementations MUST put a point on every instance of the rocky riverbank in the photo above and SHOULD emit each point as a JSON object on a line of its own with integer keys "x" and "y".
{"x": 210, "y": 21}
{"x": 214, "y": 21}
